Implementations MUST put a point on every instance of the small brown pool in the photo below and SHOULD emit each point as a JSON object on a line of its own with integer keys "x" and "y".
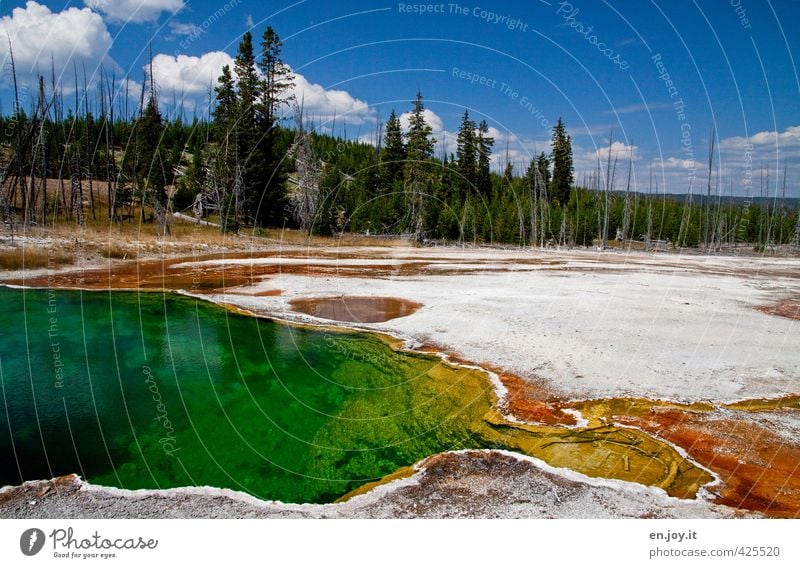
{"x": 358, "y": 309}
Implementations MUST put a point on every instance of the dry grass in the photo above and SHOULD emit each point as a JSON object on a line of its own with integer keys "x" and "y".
{"x": 295, "y": 237}
{"x": 115, "y": 250}
{"x": 33, "y": 257}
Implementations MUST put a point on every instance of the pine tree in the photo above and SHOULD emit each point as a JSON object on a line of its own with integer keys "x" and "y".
{"x": 485, "y": 143}
{"x": 419, "y": 149}
{"x": 226, "y": 160}
{"x": 563, "y": 176}
{"x": 276, "y": 87}
{"x": 151, "y": 161}
{"x": 247, "y": 135}
{"x": 278, "y": 77}
{"x": 543, "y": 166}
{"x": 225, "y": 111}
{"x": 467, "y": 156}
{"x": 393, "y": 154}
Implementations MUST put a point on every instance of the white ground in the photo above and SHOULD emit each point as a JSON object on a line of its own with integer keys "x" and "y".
{"x": 592, "y": 324}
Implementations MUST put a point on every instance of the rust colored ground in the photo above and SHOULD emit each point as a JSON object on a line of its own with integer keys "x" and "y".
{"x": 759, "y": 470}
{"x": 357, "y": 309}
{"x": 785, "y": 308}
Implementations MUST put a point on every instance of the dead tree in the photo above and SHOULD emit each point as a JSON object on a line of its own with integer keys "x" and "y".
{"x": 707, "y": 236}
{"x": 609, "y": 187}
{"x": 626, "y": 213}
{"x": 533, "y": 184}
{"x": 305, "y": 196}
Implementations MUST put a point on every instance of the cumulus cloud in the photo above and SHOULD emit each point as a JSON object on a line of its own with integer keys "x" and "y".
{"x": 434, "y": 121}
{"x": 134, "y": 10}
{"x": 322, "y": 105}
{"x": 40, "y": 37}
{"x": 618, "y": 150}
{"x": 740, "y": 159}
{"x": 191, "y": 77}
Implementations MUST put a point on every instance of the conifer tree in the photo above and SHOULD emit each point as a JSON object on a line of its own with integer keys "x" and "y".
{"x": 247, "y": 135}
{"x": 225, "y": 164}
{"x": 393, "y": 154}
{"x": 543, "y": 167}
{"x": 467, "y": 156}
{"x": 485, "y": 143}
{"x": 419, "y": 149}
{"x": 276, "y": 92}
{"x": 563, "y": 176}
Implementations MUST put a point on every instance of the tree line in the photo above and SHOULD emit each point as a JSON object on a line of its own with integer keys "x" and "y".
{"x": 77, "y": 156}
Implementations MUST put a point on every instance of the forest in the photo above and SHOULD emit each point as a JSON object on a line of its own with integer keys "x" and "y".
{"x": 76, "y": 154}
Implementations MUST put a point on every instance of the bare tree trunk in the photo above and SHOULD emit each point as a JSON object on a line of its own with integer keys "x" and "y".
{"x": 707, "y": 208}
{"x": 626, "y": 213}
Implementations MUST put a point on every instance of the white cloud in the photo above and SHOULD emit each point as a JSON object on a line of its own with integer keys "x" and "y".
{"x": 618, "y": 150}
{"x": 648, "y": 107}
{"x": 189, "y": 75}
{"x": 40, "y": 37}
{"x": 134, "y": 10}
{"x": 185, "y": 29}
{"x": 322, "y": 105}
{"x": 433, "y": 120}
{"x": 739, "y": 159}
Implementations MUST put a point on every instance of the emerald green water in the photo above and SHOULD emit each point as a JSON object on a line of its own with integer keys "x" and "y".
{"x": 161, "y": 391}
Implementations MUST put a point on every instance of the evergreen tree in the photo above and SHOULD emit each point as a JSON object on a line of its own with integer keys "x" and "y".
{"x": 248, "y": 135}
{"x": 393, "y": 154}
{"x": 276, "y": 87}
{"x": 224, "y": 113}
{"x": 226, "y": 159}
{"x": 148, "y": 130}
{"x": 150, "y": 163}
{"x": 419, "y": 149}
{"x": 543, "y": 166}
{"x": 278, "y": 78}
{"x": 420, "y": 144}
{"x": 485, "y": 143}
{"x": 562, "y": 164}
{"x": 508, "y": 173}
{"x": 467, "y": 155}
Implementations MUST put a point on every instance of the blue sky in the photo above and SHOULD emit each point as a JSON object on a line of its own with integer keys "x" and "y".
{"x": 601, "y": 65}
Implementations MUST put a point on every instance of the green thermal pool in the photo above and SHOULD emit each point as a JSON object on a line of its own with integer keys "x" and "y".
{"x": 160, "y": 391}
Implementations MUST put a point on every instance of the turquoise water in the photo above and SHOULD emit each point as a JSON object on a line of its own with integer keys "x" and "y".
{"x": 160, "y": 391}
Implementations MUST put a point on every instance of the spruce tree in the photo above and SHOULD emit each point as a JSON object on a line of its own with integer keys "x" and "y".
{"x": 485, "y": 143}
{"x": 543, "y": 166}
{"x": 393, "y": 154}
{"x": 562, "y": 164}
{"x": 278, "y": 77}
{"x": 225, "y": 111}
{"x": 225, "y": 163}
{"x": 248, "y": 136}
{"x": 419, "y": 148}
{"x": 467, "y": 155}
{"x": 150, "y": 161}
{"x": 276, "y": 88}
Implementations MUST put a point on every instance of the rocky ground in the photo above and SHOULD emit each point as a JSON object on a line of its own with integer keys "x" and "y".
{"x": 481, "y": 484}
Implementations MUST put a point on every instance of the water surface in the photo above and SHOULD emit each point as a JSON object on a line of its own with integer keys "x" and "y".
{"x": 159, "y": 391}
